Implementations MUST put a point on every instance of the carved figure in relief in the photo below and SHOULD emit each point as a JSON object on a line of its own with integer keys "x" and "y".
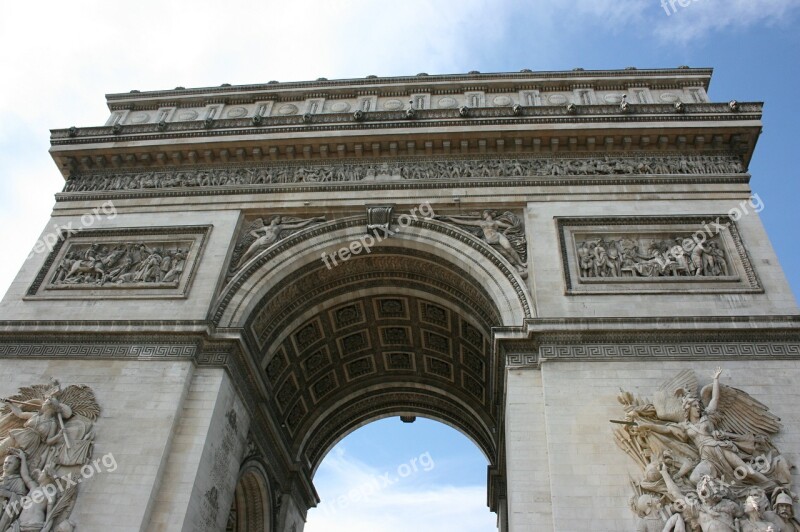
{"x": 719, "y": 450}
{"x": 48, "y": 508}
{"x": 675, "y": 257}
{"x": 260, "y": 236}
{"x": 755, "y": 521}
{"x": 12, "y": 489}
{"x": 89, "y": 265}
{"x": 585, "y": 260}
{"x": 648, "y": 509}
{"x": 711, "y": 509}
{"x": 717, "y": 439}
{"x": 504, "y": 232}
{"x": 783, "y": 516}
{"x": 458, "y": 169}
{"x": 41, "y": 429}
{"x": 121, "y": 263}
{"x": 46, "y": 436}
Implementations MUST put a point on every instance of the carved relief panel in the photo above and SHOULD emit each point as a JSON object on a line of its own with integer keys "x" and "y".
{"x": 121, "y": 263}
{"x": 654, "y": 255}
{"x": 46, "y": 444}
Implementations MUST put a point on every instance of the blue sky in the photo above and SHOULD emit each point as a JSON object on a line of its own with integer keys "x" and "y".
{"x": 59, "y": 59}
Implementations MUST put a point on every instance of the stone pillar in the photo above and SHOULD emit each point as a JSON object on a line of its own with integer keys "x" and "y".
{"x": 527, "y": 465}
{"x": 202, "y": 467}
{"x": 291, "y": 517}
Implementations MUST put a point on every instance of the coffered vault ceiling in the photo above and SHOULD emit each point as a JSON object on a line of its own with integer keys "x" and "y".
{"x": 385, "y": 334}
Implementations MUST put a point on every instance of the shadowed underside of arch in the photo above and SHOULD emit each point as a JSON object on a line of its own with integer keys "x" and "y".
{"x": 251, "y": 509}
{"x": 404, "y": 329}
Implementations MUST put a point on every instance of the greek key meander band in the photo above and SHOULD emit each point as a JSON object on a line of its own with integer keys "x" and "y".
{"x": 654, "y": 351}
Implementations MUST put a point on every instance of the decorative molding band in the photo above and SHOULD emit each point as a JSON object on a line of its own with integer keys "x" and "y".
{"x": 522, "y": 360}
{"x": 679, "y": 76}
{"x": 528, "y": 169}
{"x": 673, "y": 351}
{"x": 650, "y": 352}
{"x": 564, "y": 181}
{"x": 370, "y": 120}
{"x": 98, "y": 351}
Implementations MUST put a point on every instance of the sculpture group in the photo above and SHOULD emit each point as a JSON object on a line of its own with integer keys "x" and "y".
{"x": 671, "y": 257}
{"x": 707, "y": 460}
{"x": 455, "y": 169}
{"x": 46, "y": 438}
{"x": 128, "y": 263}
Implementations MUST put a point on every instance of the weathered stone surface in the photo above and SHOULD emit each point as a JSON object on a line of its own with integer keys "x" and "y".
{"x": 244, "y": 280}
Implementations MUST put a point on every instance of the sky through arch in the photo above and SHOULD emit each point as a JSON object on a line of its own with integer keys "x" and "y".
{"x": 390, "y": 476}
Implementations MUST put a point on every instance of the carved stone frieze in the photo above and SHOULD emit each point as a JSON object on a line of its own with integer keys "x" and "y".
{"x": 706, "y": 458}
{"x": 123, "y": 263}
{"x": 602, "y": 256}
{"x": 99, "y": 351}
{"x": 46, "y": 442}
{"x": 456, "y": 169}
{"x": 136, "y": 262}
{"x": 655, "y": 254}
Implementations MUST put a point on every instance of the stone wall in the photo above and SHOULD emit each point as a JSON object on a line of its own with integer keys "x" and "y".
{"x": 589, "y": 477}
{"x": 548, "y": 282}
{"x": 141, "y": 403}
{"x": 201, "y": 470}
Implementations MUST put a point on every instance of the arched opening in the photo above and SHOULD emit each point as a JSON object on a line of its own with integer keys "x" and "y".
{"x": 403, "y": 330}
{"x": 393, "y": 476}
{"x": 251, "y": 509}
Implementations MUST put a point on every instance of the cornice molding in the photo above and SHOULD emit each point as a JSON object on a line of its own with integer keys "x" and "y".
{"x": 678, "y": 75}
{"x": 429, "y": 118}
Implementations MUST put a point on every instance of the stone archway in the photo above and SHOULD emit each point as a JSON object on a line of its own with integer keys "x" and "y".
{"x": 405, "y": 329}
{"x": 252, "y": 503}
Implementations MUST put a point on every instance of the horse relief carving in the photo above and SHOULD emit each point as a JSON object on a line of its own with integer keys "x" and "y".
{"x": 124, "y": 263}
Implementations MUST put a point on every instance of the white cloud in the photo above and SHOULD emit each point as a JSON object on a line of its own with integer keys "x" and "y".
{"x": 355, "y": 499}
{"x": 701, "y": 18}
{"x": 60, "y": 59}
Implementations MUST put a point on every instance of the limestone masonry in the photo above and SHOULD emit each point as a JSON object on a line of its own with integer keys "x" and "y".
{"x": 568, "y": 267}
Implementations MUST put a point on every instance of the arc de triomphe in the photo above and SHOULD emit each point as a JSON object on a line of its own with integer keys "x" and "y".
{"x": 235, "y": 278}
